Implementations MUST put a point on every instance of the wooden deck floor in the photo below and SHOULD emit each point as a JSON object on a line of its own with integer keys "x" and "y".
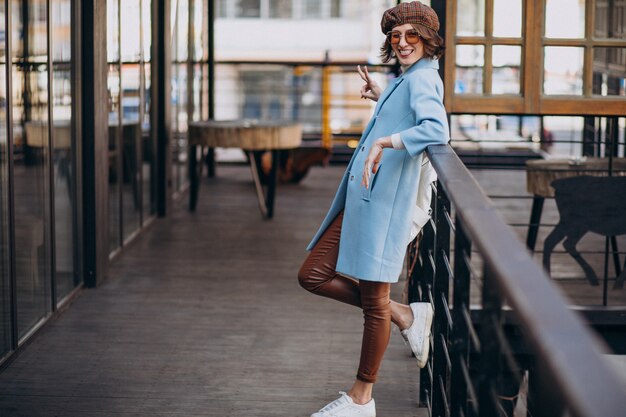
{"x": 203, "y": 316}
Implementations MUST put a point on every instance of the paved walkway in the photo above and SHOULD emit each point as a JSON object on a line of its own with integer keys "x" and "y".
{"x": 203, "y": 316}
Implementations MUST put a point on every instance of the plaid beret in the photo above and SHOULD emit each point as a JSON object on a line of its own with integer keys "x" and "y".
{"x": 412, "y": 12}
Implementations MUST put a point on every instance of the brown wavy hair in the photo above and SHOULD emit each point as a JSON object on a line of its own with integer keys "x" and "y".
{"x": 434, "y": 45}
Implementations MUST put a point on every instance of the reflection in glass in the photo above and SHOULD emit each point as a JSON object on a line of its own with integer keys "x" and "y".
{"x": 563, "y": 70}
{"x": 470, "y": 60}
{"x": 179, "y": 142}
{"x": 31, "y": 149}
{"x": 507, "y": 18}
{"x": 115, "y": 238}
{"x": 280, "y": 9}
{"x": 565, "y": 19}
{"x": 610, "y": 19}
{"x": 5, "y": 312}
{"x": 609, "y": 71}
{"x": 197, "y": 92}
{"x": 506, "y": 69}
{"x": 131, "y": 135}
{"x": 148, "y": 165}
{"x": 63, "y": 154}
{"x": 470, "y": 18}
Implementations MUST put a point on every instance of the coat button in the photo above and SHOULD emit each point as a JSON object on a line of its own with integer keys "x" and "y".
{"x": 352, "y": 178}
{"x": 362, "y": 148}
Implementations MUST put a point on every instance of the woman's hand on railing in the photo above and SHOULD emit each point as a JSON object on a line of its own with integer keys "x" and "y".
{"x": 371, "y": 89}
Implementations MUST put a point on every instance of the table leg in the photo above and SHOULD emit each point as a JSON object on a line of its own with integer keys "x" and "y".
{"x": 271, "y": 183}
{"x": 254, "y": 168}
{"x": 194, "y": 183}
{"x": 265, "y": 198}
{"x": 210, "y": 162}
{"x": 535, "y": 219}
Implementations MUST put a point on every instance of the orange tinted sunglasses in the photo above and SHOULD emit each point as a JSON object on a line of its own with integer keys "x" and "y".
{"x": 411, "y": 36}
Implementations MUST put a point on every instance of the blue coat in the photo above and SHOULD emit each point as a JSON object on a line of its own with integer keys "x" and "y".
{"x": 377, "y": 220}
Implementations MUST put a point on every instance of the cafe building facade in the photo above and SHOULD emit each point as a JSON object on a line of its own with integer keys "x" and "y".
{"x": 94, "y": 102}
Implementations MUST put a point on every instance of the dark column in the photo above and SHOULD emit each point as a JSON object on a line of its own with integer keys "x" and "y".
{"x": 93, "y": 96}
{"x": 161, "y": 109}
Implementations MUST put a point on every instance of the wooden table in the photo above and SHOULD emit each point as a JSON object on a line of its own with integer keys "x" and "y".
{"x": 253, "y": 137}
{"x": 541, "y": 173}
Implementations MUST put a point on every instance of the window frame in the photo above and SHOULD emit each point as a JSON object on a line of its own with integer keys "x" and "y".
{"x": 531, "y": 99}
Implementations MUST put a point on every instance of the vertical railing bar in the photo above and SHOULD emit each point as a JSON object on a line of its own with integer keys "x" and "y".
{"x": 444, "y": 398}
{"x": 449, "y": 221}
{"x": 460, "y": 331}
{"x": 448, "y": 266}
{"x": 489, "y": 361}
{"x": 470, "y": 386}
{"x": 446, "y": 310}
{"x": 443, "y": 320}
{"x": 472, "y": 331}
{"x": 507, "y": 352}
{"x": 446, "y": 354}
{"x": 472, "y": 272}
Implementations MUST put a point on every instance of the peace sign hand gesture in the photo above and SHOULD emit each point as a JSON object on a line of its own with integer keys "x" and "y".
{"x": 371, "y": 89}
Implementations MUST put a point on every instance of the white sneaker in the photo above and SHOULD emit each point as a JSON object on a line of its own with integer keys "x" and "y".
{"x": 345, "y": 407}
{"x": 418, "y": 334}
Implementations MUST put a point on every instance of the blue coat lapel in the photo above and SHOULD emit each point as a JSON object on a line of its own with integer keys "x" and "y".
{"x": 387, "y": 94}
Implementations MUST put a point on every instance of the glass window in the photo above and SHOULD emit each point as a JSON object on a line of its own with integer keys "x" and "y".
{"x": 63, "y": 153}
{"x": 114, "y": 88}
{"x": 181, "y": 26}
{"x": 610, "y": 19}
{"x": 113, "y": 31}
{"x": 31, "y": 149}
{"x": 609, "y": 71}
{"x": 131, "y": 26}
{"x": 5, "y": 312}
{"x": 506, "y": 69}
{"x": 563, "y": 70}
{"x": 131, "y": 135}
{"x": 280, "y": 9}
{"x": 470, "y": 60}
{"x": 565, "y": 19}
{"x": 470, "y": 18}
{"x": 507, "y": 18}
{"x": 247, "y": 8}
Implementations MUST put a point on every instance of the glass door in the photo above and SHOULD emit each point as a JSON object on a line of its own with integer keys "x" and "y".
{"x": 5, "y": 278}
{"x": 31, "y": 161}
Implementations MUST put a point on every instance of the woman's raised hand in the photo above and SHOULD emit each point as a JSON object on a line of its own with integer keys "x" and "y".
{"x": 371, "y": 89}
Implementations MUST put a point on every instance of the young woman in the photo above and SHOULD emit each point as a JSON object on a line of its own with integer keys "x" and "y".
{"x": 359, "y": 249}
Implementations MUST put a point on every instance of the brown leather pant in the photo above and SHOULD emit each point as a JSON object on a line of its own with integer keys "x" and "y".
{"x": 318, "y": 276}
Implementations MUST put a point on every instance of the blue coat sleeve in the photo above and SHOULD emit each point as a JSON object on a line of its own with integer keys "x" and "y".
{"x": 431, "y": 122}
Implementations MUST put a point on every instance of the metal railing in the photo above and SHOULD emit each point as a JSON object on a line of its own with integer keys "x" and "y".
{"x": 520, "y": 332}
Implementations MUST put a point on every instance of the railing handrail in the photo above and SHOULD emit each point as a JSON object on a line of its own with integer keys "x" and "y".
{"x": 568, "y": 349}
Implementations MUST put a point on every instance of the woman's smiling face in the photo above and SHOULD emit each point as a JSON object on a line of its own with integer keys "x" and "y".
{"x": 407, "y": 53}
